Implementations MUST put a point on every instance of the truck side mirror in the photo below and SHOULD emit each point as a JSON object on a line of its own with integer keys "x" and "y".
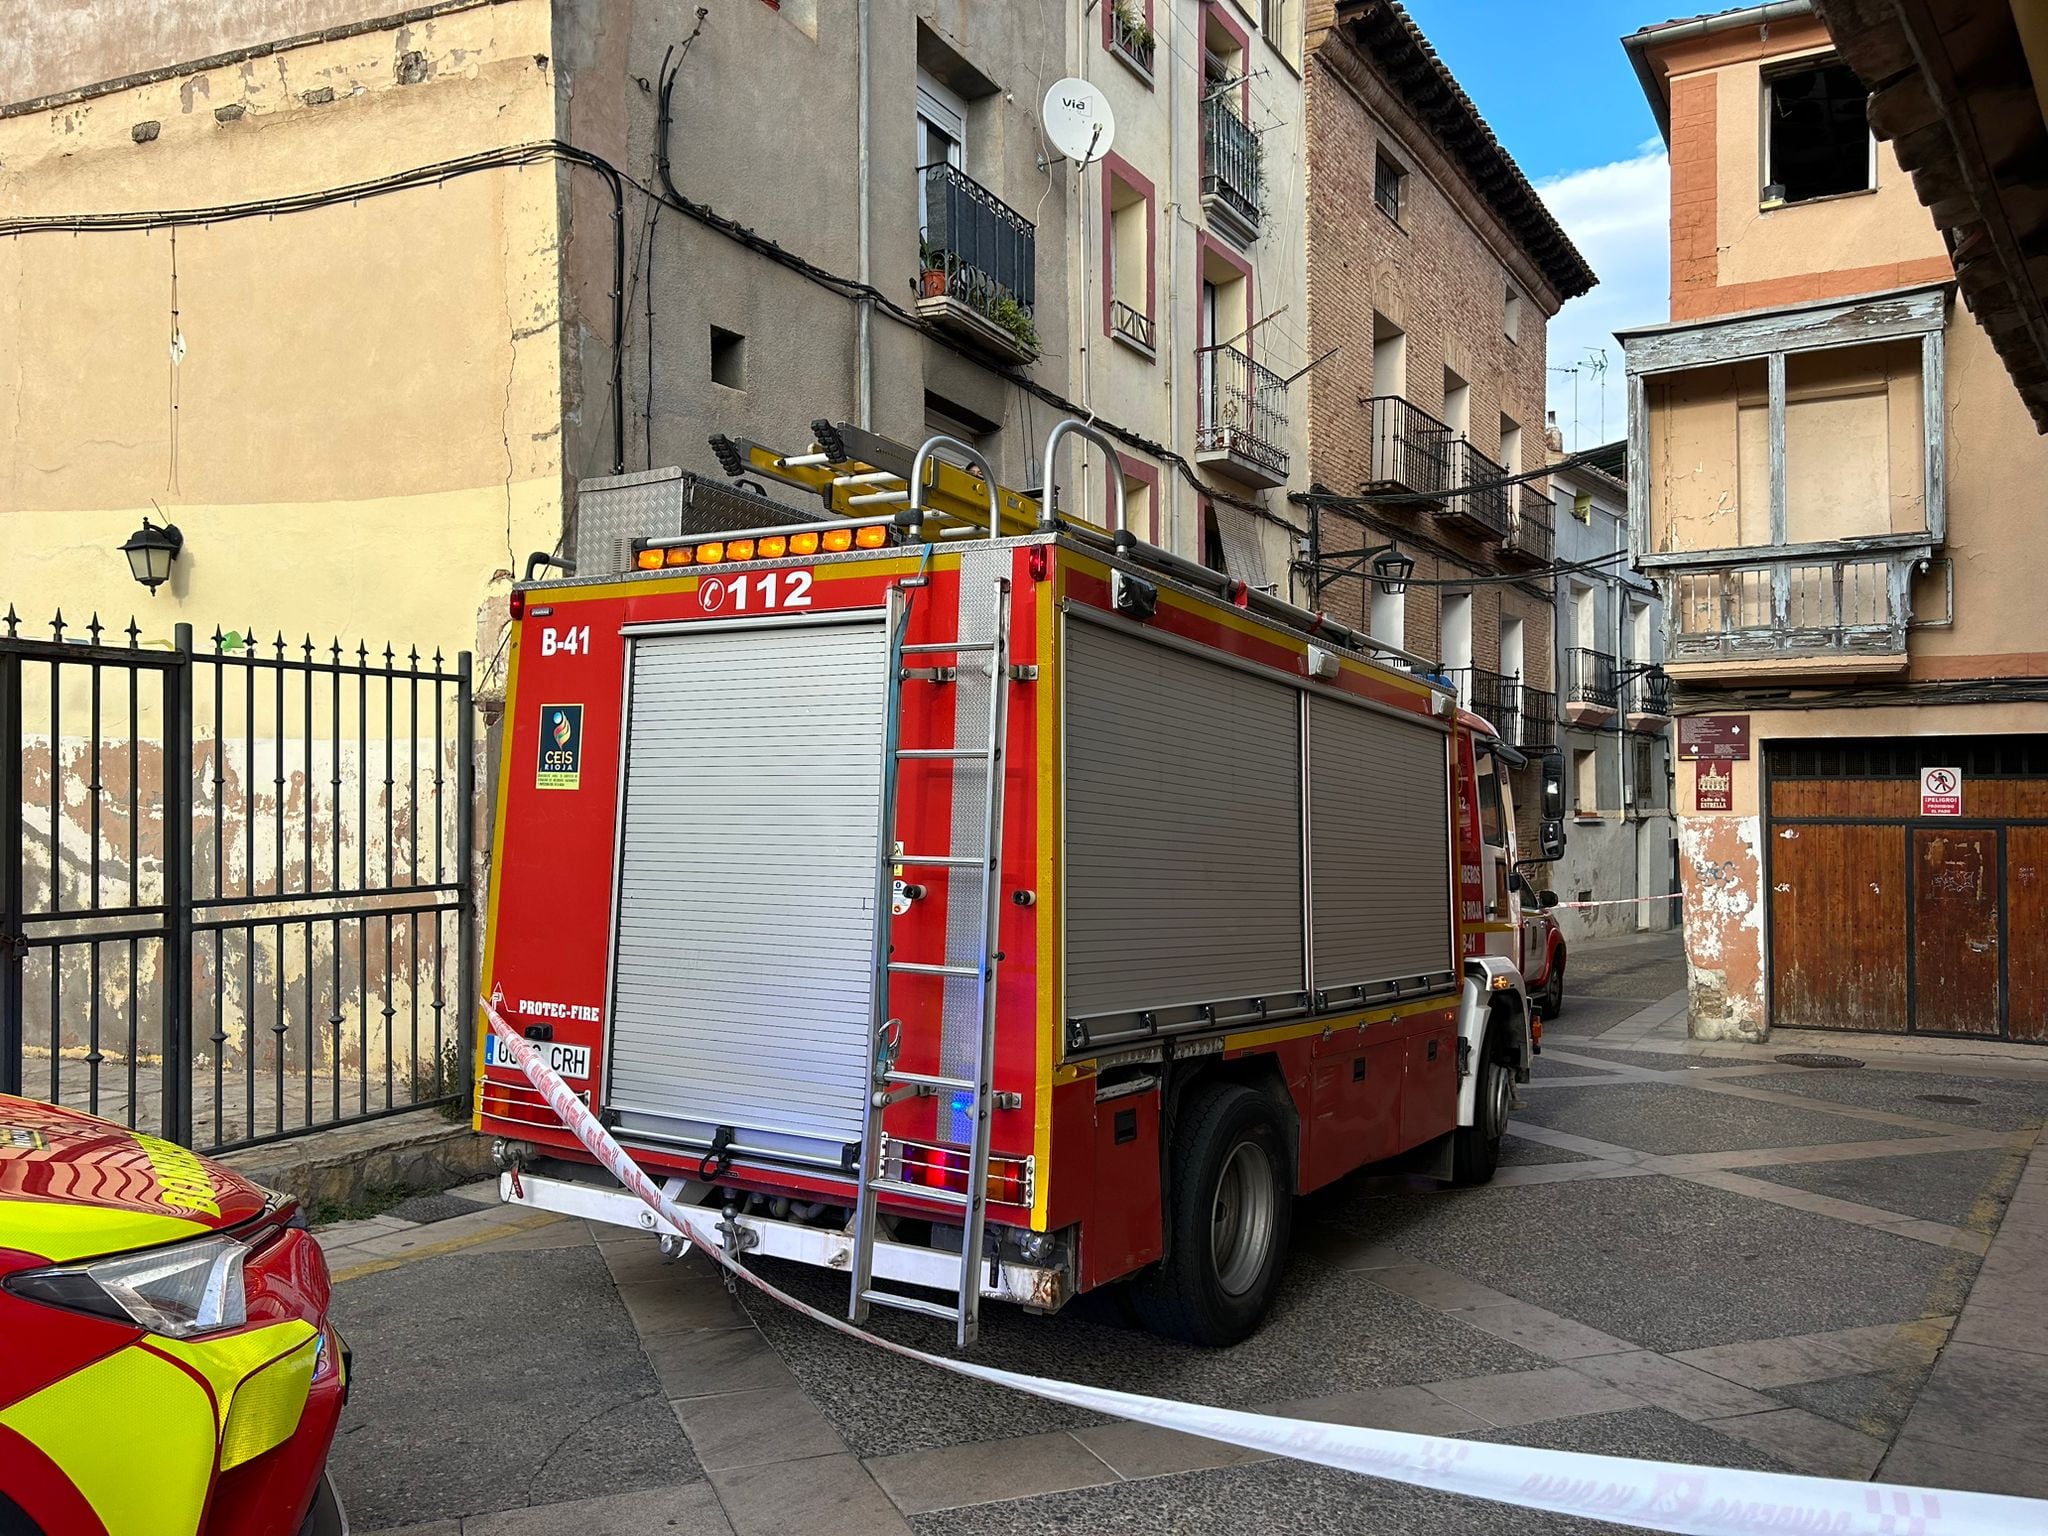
{"x": 1552, "y": 808}
{"x": 1551, "y": 840}
{"x": 1546, "y": 898}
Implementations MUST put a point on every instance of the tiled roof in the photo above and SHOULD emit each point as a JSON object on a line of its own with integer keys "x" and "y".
{"x": 1384, "y": 30}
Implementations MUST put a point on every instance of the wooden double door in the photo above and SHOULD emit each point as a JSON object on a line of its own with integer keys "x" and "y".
{"x": 1883, "y": 919}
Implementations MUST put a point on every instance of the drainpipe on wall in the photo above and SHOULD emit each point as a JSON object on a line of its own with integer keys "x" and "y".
{"x": 1168, "y": 519}
{"x": 864, "y": 314}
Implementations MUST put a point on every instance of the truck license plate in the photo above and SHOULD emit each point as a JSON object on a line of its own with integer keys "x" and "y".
{"x": 569, "y": 1061}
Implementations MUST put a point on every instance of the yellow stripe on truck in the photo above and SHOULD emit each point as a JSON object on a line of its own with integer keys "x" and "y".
{"x": 149, "y": 1486}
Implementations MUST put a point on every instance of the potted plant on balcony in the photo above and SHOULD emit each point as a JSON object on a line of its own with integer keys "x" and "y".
{"x": 1133, "y": 28}
{"x": 1016, "y": 319}
{"x": 931, "y": 259}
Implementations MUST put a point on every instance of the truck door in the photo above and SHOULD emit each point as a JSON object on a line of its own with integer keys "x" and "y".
{"x": 1496, "y": 859}
{"x": 743, "y": 960}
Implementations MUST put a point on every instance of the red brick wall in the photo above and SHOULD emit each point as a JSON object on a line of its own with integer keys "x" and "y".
{"x": 1438, "y": 275}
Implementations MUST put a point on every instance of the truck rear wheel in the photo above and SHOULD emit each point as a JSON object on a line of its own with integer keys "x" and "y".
{"x": 1475, "y": 1148}
{"x": 1229, "y": 1206}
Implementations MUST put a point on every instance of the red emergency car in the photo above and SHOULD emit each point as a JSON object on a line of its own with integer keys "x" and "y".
{"x": 166, "y": 1363}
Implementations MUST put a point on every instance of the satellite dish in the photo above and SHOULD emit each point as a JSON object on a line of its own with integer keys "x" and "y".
{"x": 1078, "y": 121}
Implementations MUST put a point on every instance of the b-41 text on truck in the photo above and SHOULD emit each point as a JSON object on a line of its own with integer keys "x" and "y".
{"x": 980, "y": 903}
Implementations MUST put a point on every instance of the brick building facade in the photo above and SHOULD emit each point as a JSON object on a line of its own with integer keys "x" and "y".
{"x": 1433, "y": 270}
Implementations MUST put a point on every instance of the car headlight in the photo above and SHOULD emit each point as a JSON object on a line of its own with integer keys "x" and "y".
{"x": 180, "y": 1291}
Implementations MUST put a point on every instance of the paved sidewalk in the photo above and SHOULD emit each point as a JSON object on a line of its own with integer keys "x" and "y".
{"x": 1692, "y": 1254}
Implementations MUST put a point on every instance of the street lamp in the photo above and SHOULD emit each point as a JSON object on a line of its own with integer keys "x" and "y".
{"x": 150, "y": 551}
{"x": 1391, "y": 569}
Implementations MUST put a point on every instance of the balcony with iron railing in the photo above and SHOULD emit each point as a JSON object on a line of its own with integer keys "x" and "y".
{"x": 1646, "y": 700}
{"x": 1844, "y": 611}
{"x": 1482, "y": 508}
{"x": 980, "y": 266}
{"x": 1241, "y": 417}
{"x": 1131, "y": 39}
{"x": 1535, "y": 718}
{"x": 1410, "y": 449}
{"x": 1233, "y": 169}
{"x": 1532, "y": 530}
{"x": 1592, "y": 686}
{"x": 1131, "y": 325}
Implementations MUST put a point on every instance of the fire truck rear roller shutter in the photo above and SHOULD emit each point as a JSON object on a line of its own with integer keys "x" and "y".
{"x": 746, "y": 886}
{"x": 1380, "y": 846}
{"x": 1183, "y": 828}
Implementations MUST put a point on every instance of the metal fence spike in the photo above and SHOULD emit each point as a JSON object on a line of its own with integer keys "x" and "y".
{"x": 93, "y": 627}
{"x": 13, "y": 621}
{"x": 57, "y": 625}
{"x": 134, "y": 634}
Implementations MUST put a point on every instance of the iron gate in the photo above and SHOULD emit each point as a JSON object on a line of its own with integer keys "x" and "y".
{"x": 235, "y": 898}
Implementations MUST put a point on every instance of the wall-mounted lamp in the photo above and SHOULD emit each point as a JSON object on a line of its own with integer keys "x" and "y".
{"x": 1391, "y": 569}
{"x": 150, "y": 551}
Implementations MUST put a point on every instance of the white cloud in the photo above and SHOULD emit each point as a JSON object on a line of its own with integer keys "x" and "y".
{"x": 1619, "y": 217}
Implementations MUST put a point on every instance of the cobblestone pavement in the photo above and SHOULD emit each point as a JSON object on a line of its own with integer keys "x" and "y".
{"x": 1693, "y": 1253}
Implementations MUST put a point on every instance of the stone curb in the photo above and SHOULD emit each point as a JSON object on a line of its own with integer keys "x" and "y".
{"x": 421, "y": 1152}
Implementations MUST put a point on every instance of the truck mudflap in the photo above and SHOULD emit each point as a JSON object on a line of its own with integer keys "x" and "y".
{"x": 1489, "y": 979}
{"x": 1043, "y": 1288}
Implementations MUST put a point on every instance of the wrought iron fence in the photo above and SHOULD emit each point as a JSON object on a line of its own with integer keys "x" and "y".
{"x": 1233, "y": 171}
{"x": 1410, "y": 447}
{"x": 987, "y": 250}
{"x": 234, "y": 881}
{"x": 1242, "y": 408}
{"x": 1591, "y": 678}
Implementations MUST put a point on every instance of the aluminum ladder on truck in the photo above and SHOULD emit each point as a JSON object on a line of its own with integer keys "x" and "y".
{"x": 979, "y": 863}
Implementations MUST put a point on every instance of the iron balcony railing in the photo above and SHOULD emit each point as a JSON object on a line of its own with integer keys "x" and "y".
{"x": 1232, "y": 169}
{"x": 1130, "y": 324}
{"x": 987, "y": 249}
{"x": 1133, "y": 39}
{"x": 1493, "y": 696}
{"x": 1591, "y": 677}
{"x": 1410, "y": 447}
{"x": 1791, "y": 608}
{"x": 1242, "y": 408}
{"x": 1535, "y": 718}
{"x": 1483, "y": 506}
{"x": 1532, "y": 532}
{"x": 1648, "y": 693}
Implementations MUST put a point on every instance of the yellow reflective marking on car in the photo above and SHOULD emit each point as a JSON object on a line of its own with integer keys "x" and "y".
{"x": 138, "y": 1487}
{"x": 227, "y": 1360}
{"x": 62, "y": 1232}
{"x": 267, "y": 1407}
{"x": 181, "y": 1175}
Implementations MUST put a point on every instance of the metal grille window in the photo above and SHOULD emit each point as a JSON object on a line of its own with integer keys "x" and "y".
{"x": 1389, "y": 185}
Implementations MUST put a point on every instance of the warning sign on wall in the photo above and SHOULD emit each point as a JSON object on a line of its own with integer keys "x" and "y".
{"x": 1941, "y": 791}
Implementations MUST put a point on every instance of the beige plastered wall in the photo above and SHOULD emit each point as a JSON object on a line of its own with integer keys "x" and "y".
{"x": 1858, "y": 229}
{"x": 1158, "y": 134}
{"x": 363, "y": 436}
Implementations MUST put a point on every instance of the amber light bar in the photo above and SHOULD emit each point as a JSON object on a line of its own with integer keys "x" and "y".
{"x": 765, "y": 544}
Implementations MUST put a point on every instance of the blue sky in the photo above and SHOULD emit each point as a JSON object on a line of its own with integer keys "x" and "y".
{"x": 1553, "y": 82}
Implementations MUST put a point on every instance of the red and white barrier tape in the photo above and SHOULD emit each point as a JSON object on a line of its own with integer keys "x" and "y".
{"x": 1657, "y": 1495}
{"x": 1620, "y": 901}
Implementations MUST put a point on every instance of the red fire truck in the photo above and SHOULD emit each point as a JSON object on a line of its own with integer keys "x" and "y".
{"x": 981, "y": 902}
